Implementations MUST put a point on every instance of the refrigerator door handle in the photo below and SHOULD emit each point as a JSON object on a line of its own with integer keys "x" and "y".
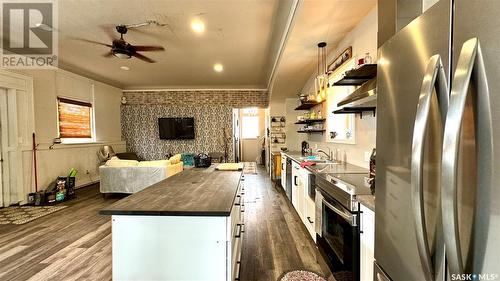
{"x": 434, "y": 78}
{"x": 470, "y": 67}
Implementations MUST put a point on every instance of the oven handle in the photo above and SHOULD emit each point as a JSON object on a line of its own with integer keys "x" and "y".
{"x": 350, "y": 218}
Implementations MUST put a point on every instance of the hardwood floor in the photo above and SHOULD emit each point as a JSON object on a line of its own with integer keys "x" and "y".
{"x": 75, "y": 243}
{"x": 275, "y": 240}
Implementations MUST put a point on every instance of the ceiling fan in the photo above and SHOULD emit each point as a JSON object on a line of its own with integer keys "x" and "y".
{"x": 124, "y": 50}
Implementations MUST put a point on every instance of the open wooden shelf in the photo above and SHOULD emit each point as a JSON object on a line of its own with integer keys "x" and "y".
{"x": 308, "y": 105}
{"x": 311, "y": 131}
{"x": 356, "y": 110}
{"x": 357, "y": 77}
{"x": 310, "y": 121}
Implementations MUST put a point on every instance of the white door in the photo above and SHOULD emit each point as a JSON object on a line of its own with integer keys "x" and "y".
{"x": 295, "y": 186}
{"x": 11, "y": 169}
{"x": 236, "y": 135}
{"x": 4, "y": 199}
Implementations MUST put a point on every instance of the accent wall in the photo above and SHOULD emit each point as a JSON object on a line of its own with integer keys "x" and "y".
{"x": 212, "y": 112}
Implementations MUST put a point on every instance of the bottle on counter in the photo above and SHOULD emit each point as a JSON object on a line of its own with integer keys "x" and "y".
{"x": 368, "y": 59}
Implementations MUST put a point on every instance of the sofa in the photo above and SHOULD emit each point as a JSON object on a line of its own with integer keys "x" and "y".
{"x": 130, "y": 176}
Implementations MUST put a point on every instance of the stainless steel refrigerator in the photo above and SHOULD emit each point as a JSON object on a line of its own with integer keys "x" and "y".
{"x": 438, "y": 146}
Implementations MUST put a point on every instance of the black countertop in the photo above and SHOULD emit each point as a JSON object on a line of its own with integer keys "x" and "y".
{"x": 193, "y": 192}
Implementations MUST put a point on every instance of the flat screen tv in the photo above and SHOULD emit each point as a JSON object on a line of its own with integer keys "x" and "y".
{"x": 176, "y": 128}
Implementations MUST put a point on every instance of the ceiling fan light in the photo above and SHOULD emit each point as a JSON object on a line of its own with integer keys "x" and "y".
{"x": 121, "y": 55}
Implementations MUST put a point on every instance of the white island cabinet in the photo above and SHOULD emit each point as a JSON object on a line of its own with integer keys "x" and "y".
{"x": 187, "y": 227}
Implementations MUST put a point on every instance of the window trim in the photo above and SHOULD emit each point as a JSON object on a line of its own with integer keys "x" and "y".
{"x": 76, "y": 140}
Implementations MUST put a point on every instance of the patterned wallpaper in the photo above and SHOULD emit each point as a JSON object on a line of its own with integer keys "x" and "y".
{"x": 212, "y": 111}
{"x": 140, "y": 128}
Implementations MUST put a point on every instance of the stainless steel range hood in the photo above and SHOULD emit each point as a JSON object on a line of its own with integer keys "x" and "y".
{"x": 363, "y": 97}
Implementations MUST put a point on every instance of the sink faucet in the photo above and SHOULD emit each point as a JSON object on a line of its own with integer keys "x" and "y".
{"x": 328, "y": 155}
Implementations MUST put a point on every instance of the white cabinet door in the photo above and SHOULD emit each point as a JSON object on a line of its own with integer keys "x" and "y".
{"x": 303, "y": 181}
{"x": 295, "y": 185}
{"x": 283, "y": 171}
{"x": 367, "y": 242}
{"x": 310, "y": 217}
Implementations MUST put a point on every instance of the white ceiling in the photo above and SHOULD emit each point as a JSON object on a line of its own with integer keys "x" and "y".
{"x": 243, "y": 35}
{"x": 315, "y": 21}
{"x": 238, "y": 35}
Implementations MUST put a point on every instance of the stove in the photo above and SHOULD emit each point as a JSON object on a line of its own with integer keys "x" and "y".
{"x": 344, "y": 188}
{"x": 338, "y": 220}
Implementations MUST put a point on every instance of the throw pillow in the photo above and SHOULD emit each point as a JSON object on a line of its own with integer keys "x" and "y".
{"x": 175, "y": 159}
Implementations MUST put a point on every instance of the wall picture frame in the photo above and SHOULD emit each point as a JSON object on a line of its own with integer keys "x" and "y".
{"x": 340, "y": 60}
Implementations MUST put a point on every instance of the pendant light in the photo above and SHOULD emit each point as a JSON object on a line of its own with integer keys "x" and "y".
{"x": 321, "y": 82}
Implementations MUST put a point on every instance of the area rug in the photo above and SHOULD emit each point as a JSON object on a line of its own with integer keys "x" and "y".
{"x": 25, "y": 214}
{"x": 250, "y": 168}
{"x": 301, "y": 275}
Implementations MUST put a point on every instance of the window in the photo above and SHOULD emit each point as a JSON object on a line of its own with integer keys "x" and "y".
{"x": 75, "y": 120}
{"x": 250, "y": 123}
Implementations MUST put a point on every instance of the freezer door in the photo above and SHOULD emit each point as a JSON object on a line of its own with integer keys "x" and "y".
{"x": 403, "y": 62}
{"x": 471, "y": 159}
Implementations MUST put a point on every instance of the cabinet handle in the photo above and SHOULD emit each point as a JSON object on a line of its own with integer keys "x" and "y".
{"x": 239, "y": 201}
{"x": 295, "y": 180}
{"x": 310, "y": 221}
{"x": 239, "y": 231}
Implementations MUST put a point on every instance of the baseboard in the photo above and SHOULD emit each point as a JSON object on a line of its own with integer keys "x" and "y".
{"x": 87, "y": 184}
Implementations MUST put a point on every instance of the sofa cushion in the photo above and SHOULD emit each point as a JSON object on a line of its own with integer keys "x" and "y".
{"x": 121, "y": 163}
{"x": 175, "y": 159}
{"x": 157, "y": 163}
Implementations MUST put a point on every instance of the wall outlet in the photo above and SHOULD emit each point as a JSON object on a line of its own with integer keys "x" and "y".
{"x": 368, "y": 154}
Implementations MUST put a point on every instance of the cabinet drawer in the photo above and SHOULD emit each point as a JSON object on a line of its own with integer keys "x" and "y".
{"x": 236, "y": 245}
{"x": 310, "y": 217}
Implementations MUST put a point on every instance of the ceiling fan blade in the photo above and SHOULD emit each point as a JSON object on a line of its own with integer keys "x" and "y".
{"x": 142, "y": 57}
{"x": 149, "y": 48}
{"x": 90, "y": 41}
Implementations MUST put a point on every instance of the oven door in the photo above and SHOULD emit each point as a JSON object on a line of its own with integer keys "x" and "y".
{"x": 339, "y": 239}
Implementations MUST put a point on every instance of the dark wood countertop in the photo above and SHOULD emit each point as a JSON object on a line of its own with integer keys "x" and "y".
{"x": 193, "y": 192}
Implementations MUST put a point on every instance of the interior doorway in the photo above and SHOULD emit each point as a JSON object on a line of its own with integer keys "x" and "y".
{"x": 249, "y": 134}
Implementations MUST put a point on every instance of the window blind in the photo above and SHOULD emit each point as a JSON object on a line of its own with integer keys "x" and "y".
{"x": 74, "y": 119}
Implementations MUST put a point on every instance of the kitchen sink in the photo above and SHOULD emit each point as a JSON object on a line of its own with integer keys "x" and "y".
{"x": 315, "y": 160}
{"x": 325, "y": 164}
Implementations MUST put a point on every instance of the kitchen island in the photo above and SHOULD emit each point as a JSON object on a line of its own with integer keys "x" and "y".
{"x": 186, "y": 227}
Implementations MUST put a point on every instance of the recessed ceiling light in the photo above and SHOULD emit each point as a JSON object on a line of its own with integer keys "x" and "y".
{"x": 124, "y": 68}
{"x": 197, "y": 25}
{"x": 218, "y": 67}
